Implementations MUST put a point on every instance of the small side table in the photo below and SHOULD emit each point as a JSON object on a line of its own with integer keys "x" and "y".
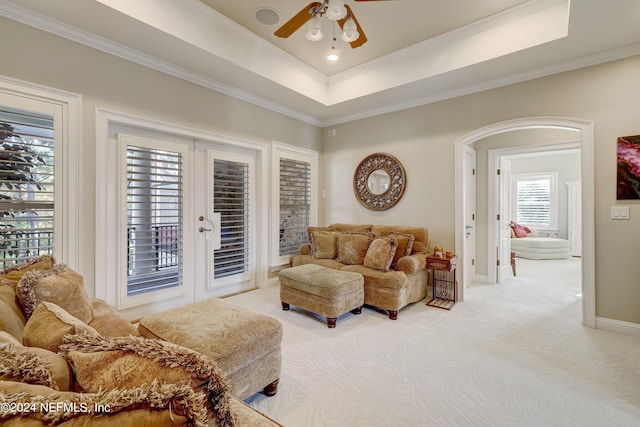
{"x": 444, "y": 289}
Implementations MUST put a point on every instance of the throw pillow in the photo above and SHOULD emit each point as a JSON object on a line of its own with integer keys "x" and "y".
{"x": 59, "y": 285}
{"x": 12, "y": 274}
{"x": 109, "y": 322}
{"x": 380, "y": 253}
{"x": 324, "y": 244}
{"x": 11, "y": 322}
{"x": 34, "y": 365}
{"x": 405, "y": 245}
{"x": 49, "y": 324}
{"x": 151, "y": 405}
{"x": 352, "y": 247}
{"x": 125, "y": 362}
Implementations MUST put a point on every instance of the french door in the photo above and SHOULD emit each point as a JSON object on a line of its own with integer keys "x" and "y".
{"x": 226, "y": 225}
{"x": 187, "y": 220}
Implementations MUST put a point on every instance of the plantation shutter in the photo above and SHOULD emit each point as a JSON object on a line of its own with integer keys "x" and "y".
{"x": 154, "y": 213}
{"x": 26, "y": 185}
{"x": 295, "y": 204}
{"x": 231, "y": 199}
{"x": 533, "y": 197}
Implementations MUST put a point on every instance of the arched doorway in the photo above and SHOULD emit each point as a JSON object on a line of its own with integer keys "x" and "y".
{"x": 585, "y": 130}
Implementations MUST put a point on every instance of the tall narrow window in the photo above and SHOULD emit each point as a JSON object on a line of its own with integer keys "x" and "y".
{"x": 295, "y": 204}
{"x": 535, "y": 196}
{"x": 294, "y": 172}
{"x": 154, "y": 215}
{"x": 26, "y": 185}
{"x": 231, "y": 199}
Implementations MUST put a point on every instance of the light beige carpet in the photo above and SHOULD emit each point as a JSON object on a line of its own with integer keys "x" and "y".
{"x": 513, "y": 354}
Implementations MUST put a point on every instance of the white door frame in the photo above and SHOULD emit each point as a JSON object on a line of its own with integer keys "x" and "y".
{"x": 493, "y": 195}
{"x": 588, "y": 203}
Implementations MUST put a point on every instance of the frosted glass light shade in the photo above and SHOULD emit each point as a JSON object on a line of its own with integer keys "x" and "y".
{"x": 314, "y": 30}
{"x": 350, "y": 31}
{"x": 336, "y": 10}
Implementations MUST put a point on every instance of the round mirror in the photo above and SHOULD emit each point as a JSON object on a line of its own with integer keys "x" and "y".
{"x": 378, "y": 181}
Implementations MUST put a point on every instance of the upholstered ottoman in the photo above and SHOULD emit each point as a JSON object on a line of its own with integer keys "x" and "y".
{"x": 245, "y": 345}
{"x": 322, "y": 290}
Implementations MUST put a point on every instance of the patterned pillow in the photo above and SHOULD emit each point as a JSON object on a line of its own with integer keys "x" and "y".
{"x": 126, "y": 362}
{"x": 12, "y": 274}
{"x": 59, "y": 285}
{"x": 380, "y": 253}
{"x": 33, "y": 365}
{"x": 324, "y": 244}
{"x": 405, "y": 245}
{"x": 49, "y": 324}
{"x": 352, "y": 247}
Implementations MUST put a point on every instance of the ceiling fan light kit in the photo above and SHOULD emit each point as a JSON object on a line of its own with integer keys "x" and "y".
{"x": 336, "y": 10}
{"x": 314, "y": 30}
{"x": 350, "y": 31}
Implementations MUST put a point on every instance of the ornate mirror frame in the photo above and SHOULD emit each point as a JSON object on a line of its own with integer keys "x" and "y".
{"x": 395, "y": 191}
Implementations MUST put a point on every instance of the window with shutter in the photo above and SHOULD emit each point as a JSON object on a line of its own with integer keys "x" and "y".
{"x": 295, "y": 204}
{"x": 535, "y": 196}
{"x": 154, "y": 219}
{"x": 231, "y": 199}
{"x": 27, "y": 181}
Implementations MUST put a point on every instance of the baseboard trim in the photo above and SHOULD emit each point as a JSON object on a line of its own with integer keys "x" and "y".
{"x": 618, "y": 326}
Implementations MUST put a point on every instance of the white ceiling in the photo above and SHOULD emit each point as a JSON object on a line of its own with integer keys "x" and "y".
{"x": 418, "y": 51}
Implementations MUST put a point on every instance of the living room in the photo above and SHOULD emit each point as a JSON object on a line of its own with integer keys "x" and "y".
{"x": 424, "y": 138}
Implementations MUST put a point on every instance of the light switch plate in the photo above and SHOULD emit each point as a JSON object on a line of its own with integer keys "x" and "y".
{"x": 620, "y": 212}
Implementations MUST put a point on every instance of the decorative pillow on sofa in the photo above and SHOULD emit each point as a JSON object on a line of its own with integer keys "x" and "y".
{"x": 352, "y": 247}
{"x": 12, "y": 274}
{"x": 59, "y": 285}
{"x": 109, "y": 322}
{"x": 380, "y": 253}
{"x": 324, "y": 244}
{"x": 49, "y": 324}
{"x": 125, "y": 362}
{"x": 34, "y": 365}
{"x": 158, "y": 405}
{"x": 10, "y": 322}
{"x": 405, "y": 245}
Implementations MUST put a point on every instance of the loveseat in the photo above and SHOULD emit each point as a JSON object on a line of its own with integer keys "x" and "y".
{"x": 69, "y": 360}
{"x": 392, "y": 260}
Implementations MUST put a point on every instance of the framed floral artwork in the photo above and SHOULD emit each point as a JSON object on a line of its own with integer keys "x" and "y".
{"x": 628, "y": 182}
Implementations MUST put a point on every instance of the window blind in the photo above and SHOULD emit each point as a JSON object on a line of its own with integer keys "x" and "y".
{"x": 154, "y": 214}
{"x": 533, "y": 199}
{"x": 27, "y": 158}
{"x": 295, "y": 204}
{"x": 231, "y": 199}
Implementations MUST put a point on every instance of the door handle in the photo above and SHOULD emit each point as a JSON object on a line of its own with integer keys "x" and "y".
{"x": 202, "y": 229}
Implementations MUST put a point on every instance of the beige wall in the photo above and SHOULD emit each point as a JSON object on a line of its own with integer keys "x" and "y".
{"x": 423, "y": 139}
{"x": 107, "y": 82}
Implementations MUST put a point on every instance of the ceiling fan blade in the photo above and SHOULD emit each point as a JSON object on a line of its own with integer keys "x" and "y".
{"x": 298, "y": 20}
{"x": 360, "y": 40}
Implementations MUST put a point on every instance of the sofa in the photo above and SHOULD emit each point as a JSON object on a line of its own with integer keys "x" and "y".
{"x": 392, "y": 260}
{"x": 69, "y": 360}
{"x": 527, "y": 242}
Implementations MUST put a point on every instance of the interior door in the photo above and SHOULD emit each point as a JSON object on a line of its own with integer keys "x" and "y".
{"x": 227, "y": 224}
{"x": 469, "y": 259}
{"x": 504, "y": 229}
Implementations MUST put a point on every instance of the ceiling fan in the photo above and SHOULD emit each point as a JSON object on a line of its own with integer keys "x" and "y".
{"x": 335, "y": 10}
